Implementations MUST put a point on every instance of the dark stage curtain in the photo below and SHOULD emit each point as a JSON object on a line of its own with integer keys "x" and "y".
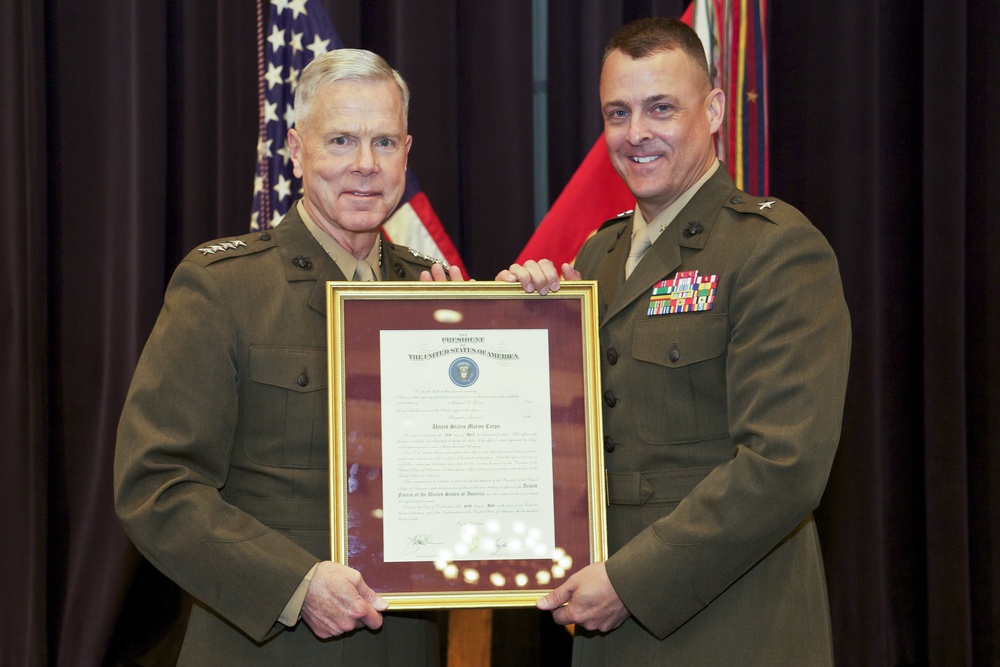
{"x": 127, "y": 137}
{"x": 884, "y": 131}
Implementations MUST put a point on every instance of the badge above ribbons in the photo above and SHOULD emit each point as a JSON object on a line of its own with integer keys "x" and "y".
{"x": 684, "y": 293}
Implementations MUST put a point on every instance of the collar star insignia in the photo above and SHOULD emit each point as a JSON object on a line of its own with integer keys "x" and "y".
{"x": 766, "y": 204}
{"x": 222, "y": 247}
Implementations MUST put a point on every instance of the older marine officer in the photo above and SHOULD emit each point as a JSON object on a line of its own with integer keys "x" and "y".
{"x": 726, "y": 342}
{"x": 221, "y": 460}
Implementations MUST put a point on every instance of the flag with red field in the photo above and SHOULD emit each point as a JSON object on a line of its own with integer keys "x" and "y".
{"x": 733, "y": 32}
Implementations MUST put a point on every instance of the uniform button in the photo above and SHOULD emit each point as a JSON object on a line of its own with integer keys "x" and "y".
{"x": 675, "y": 355}
{"x": 609, "y": 444}
{"x": 303, "y": 380}
{"x": 610, "y": 398}
{"x": 612, "y": 355}
{"x": 693, "y": 229}
{"x": 736, "y": 199}
{"x": 264, "y": 236}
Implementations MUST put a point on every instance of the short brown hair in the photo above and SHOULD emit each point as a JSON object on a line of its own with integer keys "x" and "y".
{"x": 644, "y": 37}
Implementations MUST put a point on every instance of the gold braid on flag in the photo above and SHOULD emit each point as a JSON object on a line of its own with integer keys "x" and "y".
{"x": 734, "y": 35}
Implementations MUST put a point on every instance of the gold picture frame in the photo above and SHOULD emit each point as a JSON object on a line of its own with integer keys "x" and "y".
{"x": 447, "y": 402}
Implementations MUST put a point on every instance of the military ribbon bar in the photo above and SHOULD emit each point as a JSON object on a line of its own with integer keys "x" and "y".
{"x": 684, "y": 293}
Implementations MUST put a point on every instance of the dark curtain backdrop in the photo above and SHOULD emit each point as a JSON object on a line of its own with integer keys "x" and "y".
{"x": 127, "y": 137}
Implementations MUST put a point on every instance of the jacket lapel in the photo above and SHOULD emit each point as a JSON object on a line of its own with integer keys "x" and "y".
{"x": 611, "y": 272}
{"x": 661, "y": 259}
{"x": 303, "y": 258}
{"x": 666, "y": 255}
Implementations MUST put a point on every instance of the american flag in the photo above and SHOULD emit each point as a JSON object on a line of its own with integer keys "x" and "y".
{"x": 297, "y": 31}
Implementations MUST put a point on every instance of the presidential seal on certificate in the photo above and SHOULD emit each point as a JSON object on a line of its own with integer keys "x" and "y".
{"x": 466, "y": 464}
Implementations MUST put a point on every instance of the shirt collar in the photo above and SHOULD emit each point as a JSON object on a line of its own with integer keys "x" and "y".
{"x": 658, "y": 224}
{"x": 344, "y": 260}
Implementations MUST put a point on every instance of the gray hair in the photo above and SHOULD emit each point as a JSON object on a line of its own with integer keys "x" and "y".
{"x": 346, "y": 64}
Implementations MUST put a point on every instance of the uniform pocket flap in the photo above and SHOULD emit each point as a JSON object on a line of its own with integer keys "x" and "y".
{"x": 680, "y": 339}
{"x": 301, "y": 369}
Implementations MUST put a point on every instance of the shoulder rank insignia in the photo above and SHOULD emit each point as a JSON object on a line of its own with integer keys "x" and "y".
{"x": 222, "y": 247}
{"x": 684, "y": 293}
{"x": 428, "y": 258}
{"x": 614, "y": 221}
{"x": 766, "y": 204}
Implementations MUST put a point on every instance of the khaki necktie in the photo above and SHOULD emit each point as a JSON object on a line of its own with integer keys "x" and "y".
{"x": 640, "y": 244}
{"x": 364, "y": 272}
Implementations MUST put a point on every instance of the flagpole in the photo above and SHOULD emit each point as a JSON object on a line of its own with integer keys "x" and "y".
{"x": 264, "y": 219}
{"x": 540, "y": 105}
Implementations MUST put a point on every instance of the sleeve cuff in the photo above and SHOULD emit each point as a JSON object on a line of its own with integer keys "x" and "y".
{"x": 293, "y": 610}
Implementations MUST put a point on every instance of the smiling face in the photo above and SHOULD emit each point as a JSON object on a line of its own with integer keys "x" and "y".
{"x": 660, "y": 113}
{"x": 351, "y": 154}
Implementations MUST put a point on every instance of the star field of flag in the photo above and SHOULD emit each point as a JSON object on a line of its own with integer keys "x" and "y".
{"x": 297, "y": 31}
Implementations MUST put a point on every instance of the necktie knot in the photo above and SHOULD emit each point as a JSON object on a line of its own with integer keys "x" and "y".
{"x": 363, "y": 272}
{"x": 640, "y": 244}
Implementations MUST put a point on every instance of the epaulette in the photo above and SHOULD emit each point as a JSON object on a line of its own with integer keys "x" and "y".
{"x": 418, "y": 257}
{"x": 246, "y": 244}
{"x": 770, "y": 208}
{"x": 618, "y": 218}
{"x": 427, "y": 258}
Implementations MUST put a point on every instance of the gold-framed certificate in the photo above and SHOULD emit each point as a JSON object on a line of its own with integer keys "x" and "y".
{"x": 465, "y": 439}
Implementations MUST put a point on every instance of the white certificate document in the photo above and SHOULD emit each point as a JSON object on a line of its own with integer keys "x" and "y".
{"x": 466, "y": 445}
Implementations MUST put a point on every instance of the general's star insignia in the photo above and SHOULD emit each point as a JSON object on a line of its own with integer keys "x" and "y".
{"x": 765, "y": 204}
{"x": 222, "y": 247}
{"x": 433, "y": 260}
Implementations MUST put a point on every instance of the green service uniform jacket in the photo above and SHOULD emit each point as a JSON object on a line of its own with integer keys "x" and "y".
{"x": 221, "y": 475}
{"x": 720, "y": 430}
